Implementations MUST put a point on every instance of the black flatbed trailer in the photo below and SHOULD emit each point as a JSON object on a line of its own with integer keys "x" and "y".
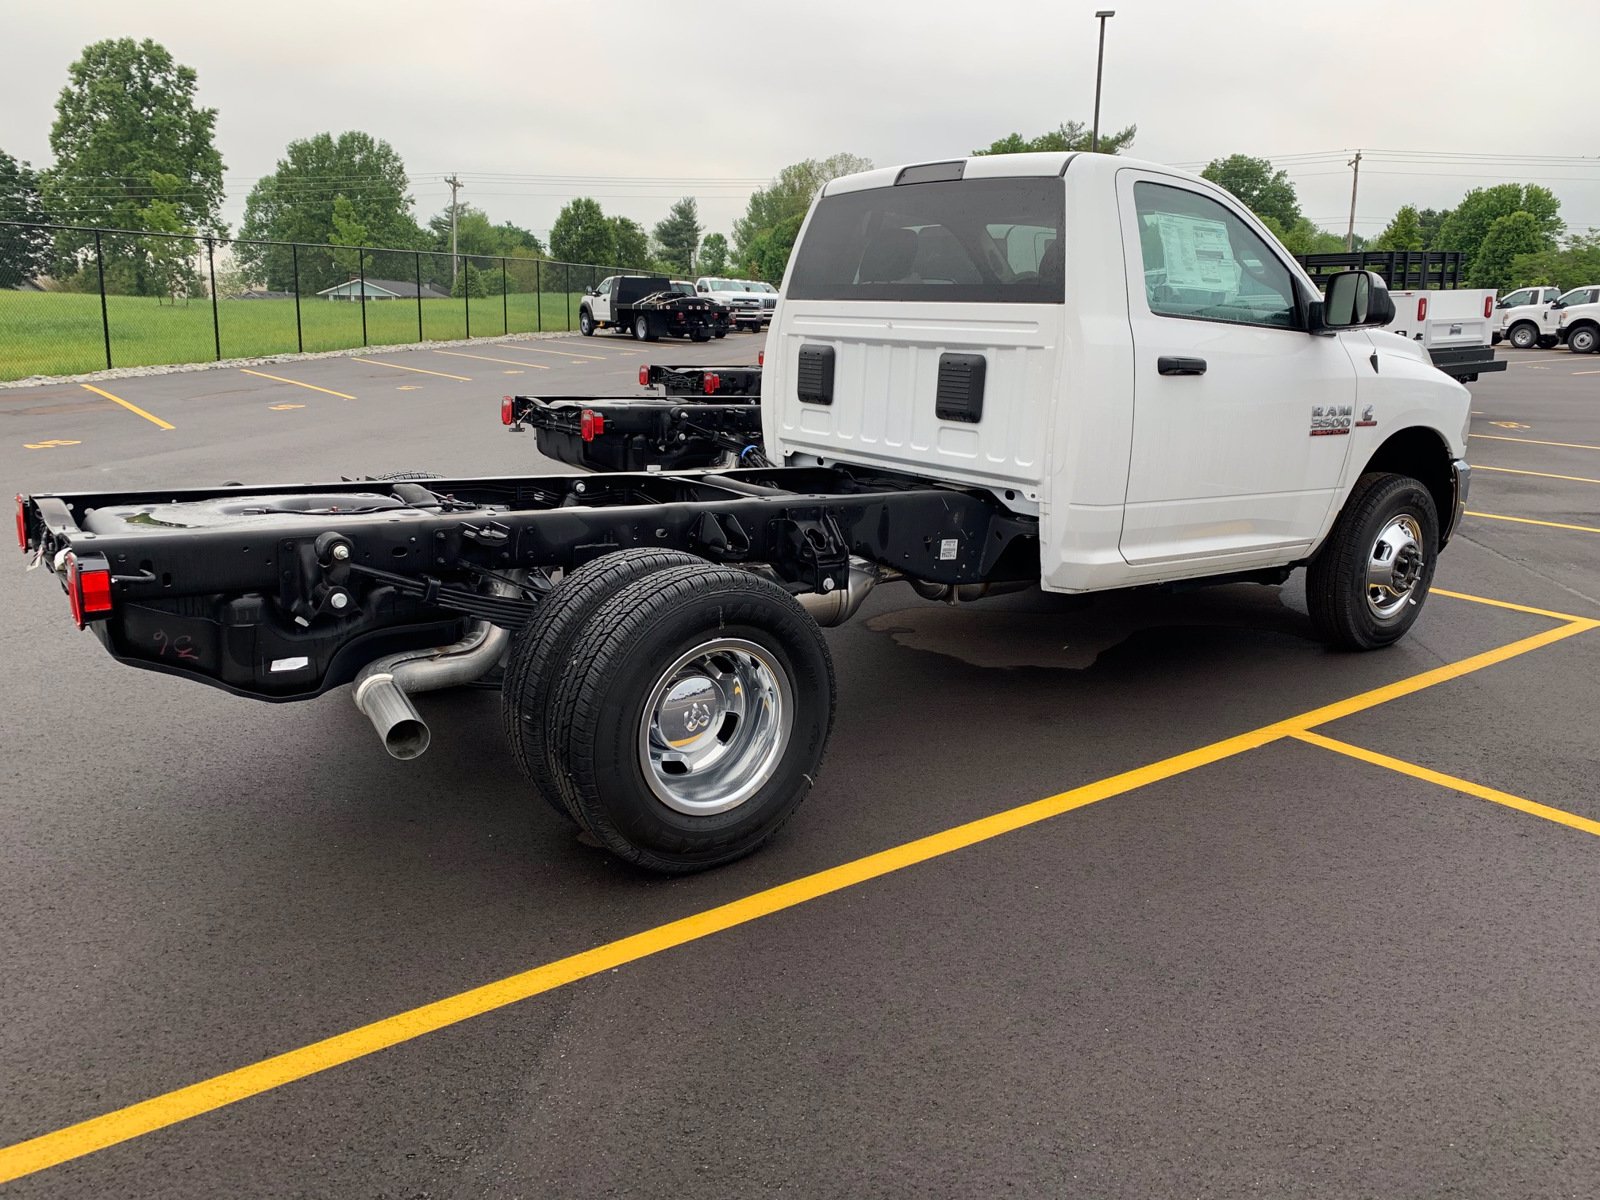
{"x": 649, "y": 307}
{"x": 696, "y": 381}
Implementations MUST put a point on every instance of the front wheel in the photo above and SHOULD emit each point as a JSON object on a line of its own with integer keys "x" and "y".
{"x": 692, "y": 716}
{"x": 1524, "y": 336}
{"x": 1367, "y": 583}
{"x": 1582, "y": 340}
{"x": 585, "y": 322}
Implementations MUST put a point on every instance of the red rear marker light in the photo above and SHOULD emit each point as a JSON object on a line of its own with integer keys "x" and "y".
{"x": 761, "y": 358}
{"x": 1488, "y": 306}
{"x": 507, "y": 410}
{"x": 88, "y": 589}
{"x": 591, "y": 425}
{"x": 22, "y": 526}
{"x": 644, "y": 376}
{"x": 1422, "y": 308}
{"x": 713, "y": 382}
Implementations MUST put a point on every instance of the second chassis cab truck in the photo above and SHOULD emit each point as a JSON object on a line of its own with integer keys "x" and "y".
{"x": 649, "y": 307}
{"x": 1077, "y": 372}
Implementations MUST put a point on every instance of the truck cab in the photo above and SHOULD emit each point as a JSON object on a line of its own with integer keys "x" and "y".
{"x": 750, "y": 306}
{"x": 1116, "y": 348}
{"x": 1578, "y": 320}
{"x": 1528, "y": 317}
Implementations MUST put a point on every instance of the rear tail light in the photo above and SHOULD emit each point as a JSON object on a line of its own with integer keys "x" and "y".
{"x": 508, "y": 410}
{"x": 22, "y": 526}
{"x": 678, "y": 316}
{"x": 713, "y": 381}
{"x": 88, "y": 588}
{"x": 644, "y": 376}
{"x": 761, "y": 358}
{"x": 591, "y": 425}
{"x": 1488, "y": 306}
{"x": 1422, "y": 308}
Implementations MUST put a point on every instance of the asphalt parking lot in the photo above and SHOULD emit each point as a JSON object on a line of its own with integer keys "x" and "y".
{"x": 1148, "y": 898}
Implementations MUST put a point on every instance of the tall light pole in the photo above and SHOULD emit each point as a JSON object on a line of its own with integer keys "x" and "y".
{"x": 1099, "y": 64}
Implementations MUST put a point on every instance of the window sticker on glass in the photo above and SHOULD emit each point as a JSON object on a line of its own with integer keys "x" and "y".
{"x": 1198, "y": 253}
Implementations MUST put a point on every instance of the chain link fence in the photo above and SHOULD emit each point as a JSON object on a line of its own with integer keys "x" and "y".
{"x": 119, "y": 298}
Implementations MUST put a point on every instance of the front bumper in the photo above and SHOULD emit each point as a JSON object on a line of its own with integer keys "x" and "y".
{"x": 1460, "y": 485}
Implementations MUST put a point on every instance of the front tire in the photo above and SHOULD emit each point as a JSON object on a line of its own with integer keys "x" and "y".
{"x": 692, "y": 716}
{"x": 1582, "y": 340}
{"x": 1366, "y": 586}
{"x": 585, "y": 322}
{"x": 1524, "y": 336}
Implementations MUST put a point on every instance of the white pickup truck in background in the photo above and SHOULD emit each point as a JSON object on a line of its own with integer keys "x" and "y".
{"x": 752, "y": 303}
{"x": 1578, "y": 324}
{"x": 1521, "y": 317}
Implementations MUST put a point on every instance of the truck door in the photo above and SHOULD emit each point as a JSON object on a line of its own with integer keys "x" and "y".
{"x": 600, "y": 302}
{"x": 1241, "y": 418}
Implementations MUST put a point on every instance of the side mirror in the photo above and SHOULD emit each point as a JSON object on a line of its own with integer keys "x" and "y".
{"x": 1355, "y": 300}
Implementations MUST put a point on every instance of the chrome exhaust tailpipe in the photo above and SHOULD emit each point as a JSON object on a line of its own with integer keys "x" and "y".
{"x": 384, "y": 687}
{"x": 838, "y": 606}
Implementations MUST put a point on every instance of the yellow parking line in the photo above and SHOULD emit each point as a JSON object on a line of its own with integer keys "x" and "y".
{"x": 1540, "y": 474}
{"x": 1584, "y": 372}
{"x": 373, "y": 362}
{"x": 313, "y": 387}
{"x": 133, "y": 408}
{"x": 1531, "y": 521}
{"x": 1495, "y": 437}
{"x": 510, "y": 362}
{"x": 1523, "y": 608}
{"x": 182, "y": 1104}
{"x": 562, "y": 353}
{"x": 617, "y": 348}
{"x": 1559, "y": 815}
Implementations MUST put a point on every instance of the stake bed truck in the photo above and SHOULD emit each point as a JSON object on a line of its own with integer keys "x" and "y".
{"x": 1077, "y": 372}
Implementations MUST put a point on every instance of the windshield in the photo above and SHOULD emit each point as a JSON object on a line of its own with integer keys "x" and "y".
{"x": 725, "y": 285}
{"x": 1575, "y": 296}
{"x": 990, "y": 241}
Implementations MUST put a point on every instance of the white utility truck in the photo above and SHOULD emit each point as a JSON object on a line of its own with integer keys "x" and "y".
{"x": 1070, "y": 371}
{"x": 752, "y": 303}
{"x": 1454, "y": 325}
{"x": 1537, "y": 322}
{"x": 1578, "y": 324}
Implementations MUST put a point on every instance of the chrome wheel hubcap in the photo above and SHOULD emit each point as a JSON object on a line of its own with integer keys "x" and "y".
{"x": 715, "y": 726}
{"x": 1394, "y": 567}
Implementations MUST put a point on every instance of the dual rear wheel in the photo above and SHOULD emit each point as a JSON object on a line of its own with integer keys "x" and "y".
{"x": 675, "y": 710}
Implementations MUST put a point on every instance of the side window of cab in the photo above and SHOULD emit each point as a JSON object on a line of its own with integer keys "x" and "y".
{"x": 1203, "y": 263}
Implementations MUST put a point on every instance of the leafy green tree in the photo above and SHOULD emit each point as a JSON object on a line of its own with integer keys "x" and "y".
{"x": 297, "y": 203}
{"x": 1070, "y": 135}
{"x": 477, "y": 235}
{"x": 582, "y": 234}
{"x": 1303, "y": 237}
{"x": 1430, "y": 220}
{"x": 632, "y": 246}
{"x": 24, "y": 253}
{"x": 1514, "y": 234}
{"x": 475, "y": 283}
{"x": 1402, "y": 233}
{"x": 1468, "y": 225}
{"x": 126, "y": 125}
{"x": 1263, "y": 190}
{"x": 1574, "y": 265}
{"x": 713, "y": 255}
{"x": 348, "y": 231}
{"x": 789, "y": 195}
{"x": 678, "y": 235}
{"x": 770, "y": 252}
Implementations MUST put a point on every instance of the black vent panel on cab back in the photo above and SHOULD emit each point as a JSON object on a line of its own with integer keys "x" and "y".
{"x": 960, "y": 396}
{"x": 814, "y": 376}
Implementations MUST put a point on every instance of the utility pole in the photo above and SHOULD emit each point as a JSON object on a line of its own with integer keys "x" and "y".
{"x": 1099, "y": 63}
{"x": 455, "y": 186}
{"x": 1355, "y": 180}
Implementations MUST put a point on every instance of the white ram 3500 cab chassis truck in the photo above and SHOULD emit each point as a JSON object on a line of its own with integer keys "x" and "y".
{"x": 1072, "y": 370}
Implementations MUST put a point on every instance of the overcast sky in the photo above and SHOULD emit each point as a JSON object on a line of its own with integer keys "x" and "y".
{"x": 637, "y": 102}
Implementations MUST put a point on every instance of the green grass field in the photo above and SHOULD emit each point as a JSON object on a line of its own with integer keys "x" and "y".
{"x": 59, "y": 333}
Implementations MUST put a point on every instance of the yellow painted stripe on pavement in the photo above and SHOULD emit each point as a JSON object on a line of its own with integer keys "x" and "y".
{"x": 1495, "y": 437}
{"x": 562, "y": 353}
{"x": 1531, "y": 521}
{"x": 373, "y": 362}
{"x": 1559, "y": 815}
{"x": 182, "y": 1104}
{"x": 133, "y": 408}
{"x": 1523, "y": 608}
{"x": 510, "y": 362}
{"x": 1540, "y": 474}
{"x": 313, "y": 387}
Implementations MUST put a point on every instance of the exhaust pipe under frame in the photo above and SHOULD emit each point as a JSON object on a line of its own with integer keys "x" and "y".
{"x": 383, "y": 688}
{"x": 828, "y": 609}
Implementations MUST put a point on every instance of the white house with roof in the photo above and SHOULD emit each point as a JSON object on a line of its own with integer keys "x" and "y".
{"x": 381, "y": 289}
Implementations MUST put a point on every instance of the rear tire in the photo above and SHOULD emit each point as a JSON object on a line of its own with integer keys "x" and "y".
{"x": 1523, "y": 336}
{"x": 1367, "y": 583}
{"x": 692, "y": 716}
{"x": 541, "y": 649}
{"x": 641, "y": 329}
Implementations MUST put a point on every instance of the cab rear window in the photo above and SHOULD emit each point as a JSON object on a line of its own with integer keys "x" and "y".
{"x": 986, "y": 241}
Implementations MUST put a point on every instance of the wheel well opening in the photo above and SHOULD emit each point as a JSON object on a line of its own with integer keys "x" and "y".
{"x": 1421, "y": 454}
